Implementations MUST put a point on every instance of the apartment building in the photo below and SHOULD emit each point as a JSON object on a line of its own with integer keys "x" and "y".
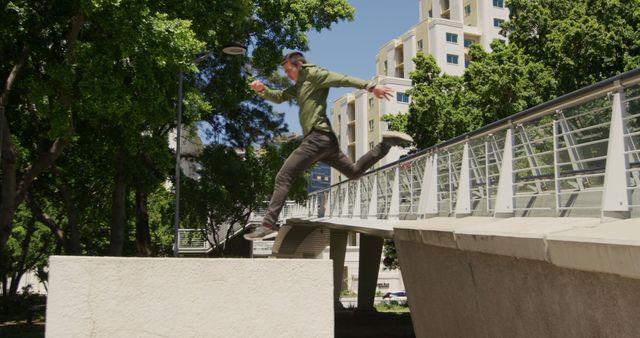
{"x": 446, "y": 29}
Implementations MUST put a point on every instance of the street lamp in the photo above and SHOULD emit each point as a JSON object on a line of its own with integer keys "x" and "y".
{"x": 231, "y": 48}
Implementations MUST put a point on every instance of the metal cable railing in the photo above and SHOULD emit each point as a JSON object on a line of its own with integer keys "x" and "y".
{"x": 560, "y": 158}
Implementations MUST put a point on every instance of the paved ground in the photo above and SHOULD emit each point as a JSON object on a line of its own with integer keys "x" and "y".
{"x": 349, "y": 323}
{"x": 22, "y": 330}
{"x": 354, "y": 323}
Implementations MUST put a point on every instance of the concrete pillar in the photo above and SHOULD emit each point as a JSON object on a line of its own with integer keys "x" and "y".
{"x": 370, "y": 253}
{"x": 337, "y": 251}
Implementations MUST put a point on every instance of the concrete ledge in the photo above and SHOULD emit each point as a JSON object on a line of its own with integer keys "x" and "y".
{"x": 610, "y": 247}
{"x": 571, "y": 242}
{"x": 521, "y": 237}
{"x": 375, "y": 227}
{"x": 437, "y": 231}
{"x": 169, "y": 297}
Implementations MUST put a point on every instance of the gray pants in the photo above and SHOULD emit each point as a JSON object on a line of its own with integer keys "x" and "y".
{"x": 317, "y": 146}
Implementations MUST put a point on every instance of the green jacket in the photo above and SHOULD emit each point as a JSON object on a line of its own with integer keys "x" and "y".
{"x": 311, "y": 91}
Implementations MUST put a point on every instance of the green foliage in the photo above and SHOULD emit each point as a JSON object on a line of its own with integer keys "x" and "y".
{"x": 392, "y": 307}
{"x": 101, "y": 75}
{"x": 390, "y": 260}
{"x": 397, "y": 122}
{"x": 504, "y": 82}
{"x": 437, "y": 111}
{"x": 231, "y": 186}
{"x": 582, "y": 42}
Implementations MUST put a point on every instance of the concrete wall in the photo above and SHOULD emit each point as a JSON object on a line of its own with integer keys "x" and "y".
{"x": 522, "y": 277}
{"x": 453, "y": 293}
{"x": 144, "y": 297}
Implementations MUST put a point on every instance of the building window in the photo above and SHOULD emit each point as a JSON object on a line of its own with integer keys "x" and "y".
{"x": 497, "y": 22}
{"x": 467, "y": 10}
{"x": 430, "y": 13}
{"x": 468, "y": 42}
{"x": 419, "y": 44}
{"x": 498, "y": 3}
{"x": 371, "y": 123}
{"x": 371, "y": 145}
{"x": 385, "y": 67}
{"x": 452, "y": 38}
{"x": 402, "y": 97}
{"x": 452, "y": 59}
{"x": 466, "y": 63}
{"x": 371, "y": 102}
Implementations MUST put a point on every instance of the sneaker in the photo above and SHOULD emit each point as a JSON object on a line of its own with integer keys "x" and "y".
{"x": 396, "y": 138}
{"x": 261, "y": 232}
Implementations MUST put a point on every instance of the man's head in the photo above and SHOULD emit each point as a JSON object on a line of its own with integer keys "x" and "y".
{"x": 291, "y": 64}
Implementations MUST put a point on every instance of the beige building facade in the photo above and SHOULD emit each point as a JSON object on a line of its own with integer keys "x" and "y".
{"x": 446, "y": 29}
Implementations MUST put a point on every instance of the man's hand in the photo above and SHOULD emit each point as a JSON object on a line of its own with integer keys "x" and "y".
{"x": 382, "y": 92}
{"x": 257, "y": 86}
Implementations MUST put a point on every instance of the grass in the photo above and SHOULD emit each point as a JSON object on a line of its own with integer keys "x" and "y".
{"x": 392, "y": 307}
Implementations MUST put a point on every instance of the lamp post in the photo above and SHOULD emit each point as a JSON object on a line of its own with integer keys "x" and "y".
{"x": 232, "y": 48}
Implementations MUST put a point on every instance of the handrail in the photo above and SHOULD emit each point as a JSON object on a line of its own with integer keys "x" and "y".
{"x": 570, "y": 153}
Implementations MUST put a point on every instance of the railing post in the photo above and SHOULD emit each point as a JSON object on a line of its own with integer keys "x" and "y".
{"x": 429, "y": 190}
{"x": 373, "y": 204}
{"x": 463, "y": 197}
{"x": 615, "y": 195}
{"x": 505, "y": 194}
{"x": 356, "y": 200}
{"x": 394, "y": 208}
{"x": 450, "y": 173}
{"x": 556, "y": 166}
{"x": 344, "y": 212}
{"x": 486, "y": 175}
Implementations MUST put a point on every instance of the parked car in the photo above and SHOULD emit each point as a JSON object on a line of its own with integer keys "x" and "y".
{"x": 395, "y": 296}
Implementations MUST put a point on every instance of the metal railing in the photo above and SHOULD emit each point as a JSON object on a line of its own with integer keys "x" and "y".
{"x": 577, "y": 155}
{"x": 196, "y": 241}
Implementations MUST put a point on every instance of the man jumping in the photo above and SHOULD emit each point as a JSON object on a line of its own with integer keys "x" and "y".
{"x": 310, "y": 90}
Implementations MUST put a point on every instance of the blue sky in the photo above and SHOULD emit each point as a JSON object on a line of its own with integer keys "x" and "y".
{"x": 350, "y": 47}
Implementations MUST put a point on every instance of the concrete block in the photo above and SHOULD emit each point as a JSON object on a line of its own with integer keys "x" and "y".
{"x": 610, "y": 247}
{"x": 169, "y": 297}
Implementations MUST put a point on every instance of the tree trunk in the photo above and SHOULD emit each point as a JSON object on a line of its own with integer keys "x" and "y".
{"x": 10, "y": 196}
{"x": 45, "y": 219}
{"x": 5, "y": 291}
{"x": 7, "y": 204}
{"x": 20, "y": 268}
{"x": 143, "y": 235}
{"x": 72, "y": 214}
{"x": 118, "y": 216}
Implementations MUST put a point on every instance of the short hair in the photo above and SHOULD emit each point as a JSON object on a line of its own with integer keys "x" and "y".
{"x": 293, "y": 57}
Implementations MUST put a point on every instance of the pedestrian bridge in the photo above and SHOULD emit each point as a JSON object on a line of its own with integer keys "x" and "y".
{"x": 525, "y": 227}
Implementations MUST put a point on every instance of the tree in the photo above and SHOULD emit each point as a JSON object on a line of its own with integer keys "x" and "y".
{"x": 504, "y": 82}
{"x": 437, "y": 111}
{"x": 230, "y": 187}
{"x": 109, "y": 67}
{"x": 582, "y": 42}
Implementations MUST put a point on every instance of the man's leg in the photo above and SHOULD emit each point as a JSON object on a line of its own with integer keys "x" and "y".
{"x": 343, "y": 164}
{"x": 301, "y": 159}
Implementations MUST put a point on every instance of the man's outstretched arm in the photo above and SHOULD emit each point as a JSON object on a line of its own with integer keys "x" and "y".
{"x": 277, "y": 96}
{"x": 325, "y": 78}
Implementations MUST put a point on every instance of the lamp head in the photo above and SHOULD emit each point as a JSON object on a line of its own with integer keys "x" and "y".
{"x": 234, "y": 48}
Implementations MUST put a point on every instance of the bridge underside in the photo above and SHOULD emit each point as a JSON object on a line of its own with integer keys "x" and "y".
{"x": 486, "y": 276}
